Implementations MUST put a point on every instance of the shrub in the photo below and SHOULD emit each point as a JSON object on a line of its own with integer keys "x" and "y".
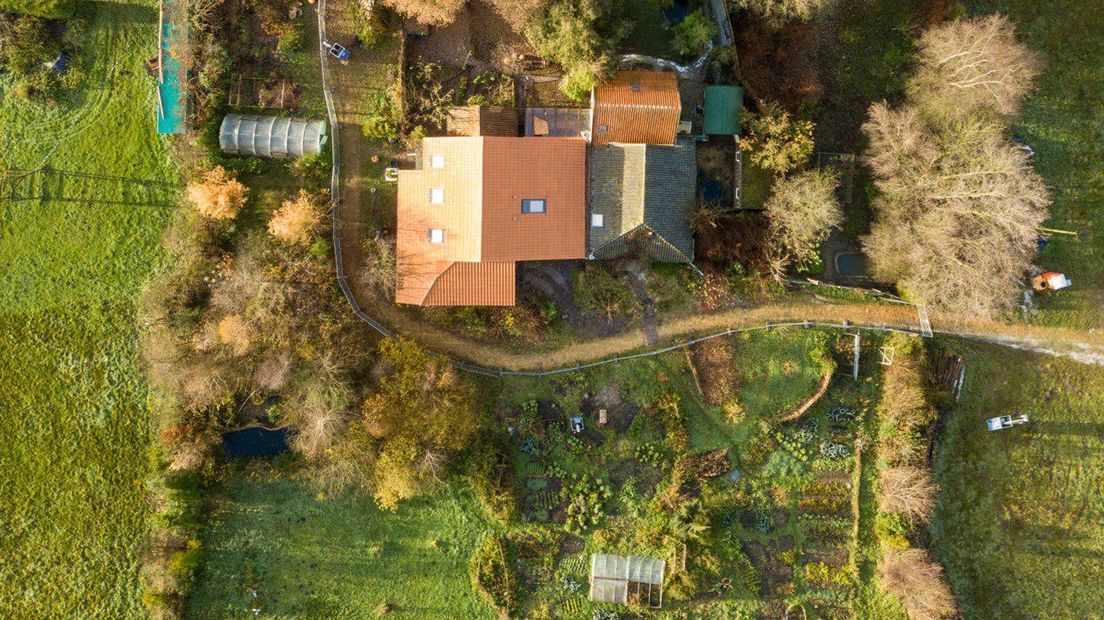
{"x": 892, "y": 530}
{"x": 296, "y": 221}
{"x": 776, "y": 141}
{"x": 917, "y": 580}
{"x": 218, "y": 196}
{"x": 597, "y": 290}
{"x": 290, "y": 41}
{"x": 695, "y": 33}
{"x": 492, "y": 576}
{"x": 909, "y": 491}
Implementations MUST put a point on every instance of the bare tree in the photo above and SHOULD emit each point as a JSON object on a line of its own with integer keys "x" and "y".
{"x": 958, "y": 213}
{"x": 968, "y": 65}
{"x": 908, "y": 491}
{"x": 917, "y": 580}
{"x": 803, "y": 210}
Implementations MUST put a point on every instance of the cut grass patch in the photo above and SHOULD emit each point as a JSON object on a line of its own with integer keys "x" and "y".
{"x": 338, "y": 558}
{"x": 72, "y": 258}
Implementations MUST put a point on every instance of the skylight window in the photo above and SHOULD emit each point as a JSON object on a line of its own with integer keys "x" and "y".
{"x": 437, "y": 161}
{"x": 603, "y": 128}
{"x": 635, "y": 87}
{"x": 436, "y": 235}
{"x": 437, "y": 196}
{"x": 597, "y": 220}
{"x": 532, "y": 205}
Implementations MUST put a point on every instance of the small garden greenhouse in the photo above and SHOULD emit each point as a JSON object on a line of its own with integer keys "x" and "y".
{"x": 271, "y": 136}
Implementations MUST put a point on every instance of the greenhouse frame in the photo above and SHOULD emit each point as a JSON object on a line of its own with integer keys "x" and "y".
{"x": 621, "y": 578}
{"x": 271, "y": 136}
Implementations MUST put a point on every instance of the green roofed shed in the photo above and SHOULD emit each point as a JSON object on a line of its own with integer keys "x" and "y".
{"x": 722, "y": 110}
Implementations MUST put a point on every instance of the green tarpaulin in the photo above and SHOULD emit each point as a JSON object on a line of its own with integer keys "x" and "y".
{"x": 722, "y": 110}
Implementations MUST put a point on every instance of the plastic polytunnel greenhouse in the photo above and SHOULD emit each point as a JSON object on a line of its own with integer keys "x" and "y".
{"x": 624, "y": 579}
{"x": 271, "y": 136}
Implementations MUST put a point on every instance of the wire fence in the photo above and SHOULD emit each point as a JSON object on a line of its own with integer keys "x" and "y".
{"x": 335, "y": 178}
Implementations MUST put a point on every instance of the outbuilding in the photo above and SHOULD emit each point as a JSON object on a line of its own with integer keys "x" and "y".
{"x": 626, "y": 578}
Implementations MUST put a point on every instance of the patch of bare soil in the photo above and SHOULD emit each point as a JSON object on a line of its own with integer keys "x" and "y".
{"x": 715, "y": 361}
{"x": 479, "y": 36}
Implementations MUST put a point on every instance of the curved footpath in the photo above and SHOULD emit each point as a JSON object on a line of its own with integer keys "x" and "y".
{"x": 350, "y": 224}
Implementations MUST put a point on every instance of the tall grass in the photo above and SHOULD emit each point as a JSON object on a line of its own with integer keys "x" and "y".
{"x": 72, "y": 398}
{"x": 1017, "y": 523}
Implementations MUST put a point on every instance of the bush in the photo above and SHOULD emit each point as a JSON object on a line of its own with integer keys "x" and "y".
{"x": 492, "y": 576}
{"x": 776, "y": 141}
{"x": 694, "y": 35}
{"x": 597, "y": 290}
{"x": 917, "y": 580}
{"x": 296, "y": 221}
{"x": 218, "y": 196}
{"x": 892, "y": 530}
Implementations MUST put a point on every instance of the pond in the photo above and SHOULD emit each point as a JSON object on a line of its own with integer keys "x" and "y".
{"x": 852, "y": 264}
{"x": 712, "y": 191}
{"x": 255, "y": 441}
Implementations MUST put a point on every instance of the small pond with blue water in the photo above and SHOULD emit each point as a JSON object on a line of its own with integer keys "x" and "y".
{"x": 255, "y": 441}
{"x": 851, "y": 264}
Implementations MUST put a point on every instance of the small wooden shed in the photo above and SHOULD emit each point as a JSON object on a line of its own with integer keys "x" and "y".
{"x": 483, "y": 120}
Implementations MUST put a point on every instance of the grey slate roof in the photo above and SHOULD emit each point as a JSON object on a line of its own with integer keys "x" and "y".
{"x": 644, "y": 191}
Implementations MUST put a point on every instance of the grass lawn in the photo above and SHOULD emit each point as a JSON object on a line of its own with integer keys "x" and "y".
{"x": 1018, "y": 522}
{"x": 338, "y": 558}
{"x": 73, "y": 400}
{"x": 648, "y": 35}
{"x": 755, "y": 185}
{"x": 1063, "y": 123}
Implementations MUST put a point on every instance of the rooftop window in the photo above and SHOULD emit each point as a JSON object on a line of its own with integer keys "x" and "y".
{"x": 437, "y": 196}
{"x": 437, "y": 161}
{"x": 436, "y": 235}
{"x": 532, "y": 205}
{"x": 597, "y": 220}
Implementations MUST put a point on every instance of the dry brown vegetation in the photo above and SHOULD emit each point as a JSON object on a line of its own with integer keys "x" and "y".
{"x": 904, "y": 409}
{"x": 917, "y": 580}
{"x": 428, "y": 12}
{"x": 218, "y": 196}
{"x": 296, "y": 221}
{"x": 907, "y": 491}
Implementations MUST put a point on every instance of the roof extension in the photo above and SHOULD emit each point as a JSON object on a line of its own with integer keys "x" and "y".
{"x": 462, "y": 224}
{"x": 642, "y": 192}
{"x": 637, "y": 107}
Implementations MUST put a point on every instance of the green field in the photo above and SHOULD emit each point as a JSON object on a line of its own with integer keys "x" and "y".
{"x": 1063, "y": 123}
{"x": 337, "y": 558}
{"x": 1019, "y": 520}
{"x": 73, "y": 400}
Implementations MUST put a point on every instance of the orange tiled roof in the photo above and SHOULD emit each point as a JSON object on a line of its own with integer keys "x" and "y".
{"x": 480, "y": 183}
{"x": 637, "y": 107}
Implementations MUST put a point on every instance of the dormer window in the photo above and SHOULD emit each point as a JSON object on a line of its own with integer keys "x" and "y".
{"x": 532, "y": 205}
{"x": 437, "y": 196}
{"x": 437, "y": 161}
{"x": 436, "y": 235}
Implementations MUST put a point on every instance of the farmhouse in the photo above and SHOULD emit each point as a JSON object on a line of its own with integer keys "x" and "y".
{"x": 475, "y": 206}
{"x": 482, "y": 199}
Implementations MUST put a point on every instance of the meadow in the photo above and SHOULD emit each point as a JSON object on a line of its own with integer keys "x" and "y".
{"x": 75, "y": 246}
{"x": 314, "y": 557}
{"x": 1018, "y": 521}
{"x": 1062, "y": 122}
